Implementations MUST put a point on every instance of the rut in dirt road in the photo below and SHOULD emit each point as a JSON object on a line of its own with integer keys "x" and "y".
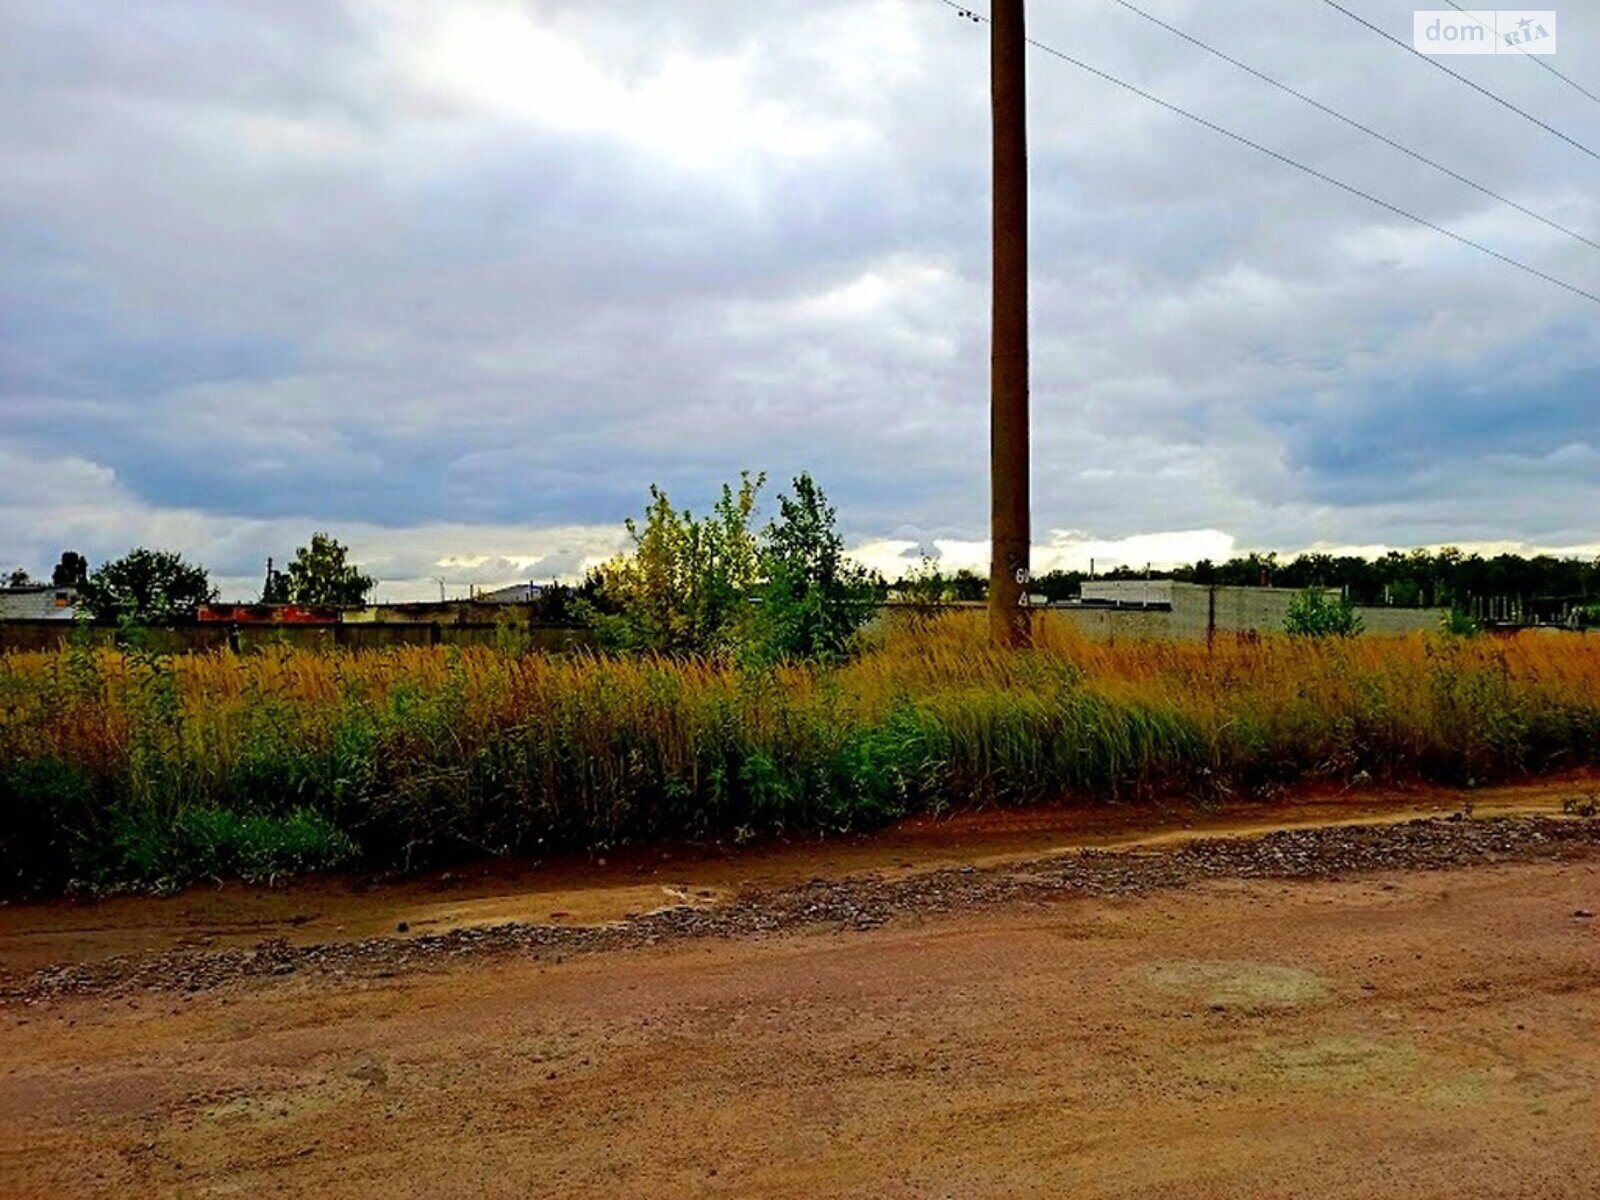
{"x": 860, "y": 902}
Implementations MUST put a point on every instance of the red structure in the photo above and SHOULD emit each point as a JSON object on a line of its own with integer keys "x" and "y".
{"x": 268, "y": 614}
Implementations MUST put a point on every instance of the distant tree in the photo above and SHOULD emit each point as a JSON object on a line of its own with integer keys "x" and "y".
{"x": 19, "y": 578}
{"x": 71, "y": 572}
{"x": 1446, "y": 578}
{"x": 148, "y": 587}
{"x": 968, "y": 585}
{"x": 931, "y": 584}
{"x": 1059, "y": 585}
{"x": 812, "y": 599}
{"x": 1254, "y": 570}
{"x": 1317, "y": 614}
{"x": 319, "y": 574}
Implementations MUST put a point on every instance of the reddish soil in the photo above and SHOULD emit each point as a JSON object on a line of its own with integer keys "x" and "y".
{"x": 1401, "y": 1033}
{"x": 594, "y": 890}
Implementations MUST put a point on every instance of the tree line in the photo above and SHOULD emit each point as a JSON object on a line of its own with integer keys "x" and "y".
{"x": 1446, "y": 578}
{"x": 708, "y": 584}
{"x": 157, "y": 587}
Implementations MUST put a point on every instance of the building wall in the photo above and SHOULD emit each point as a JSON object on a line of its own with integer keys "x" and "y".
{"x": 1128, "y": 591}
{"x": 448, "y": 612}
{"x": 1239, "y": 612}
{"x": 1114, "y": 624}
{"x": 1197, "y": 611}
{"x": 269, "y": 614}
{"x": 1242, "y": 609}
{"x": 1380, "y": 619}
{"x": 37, "y": 604}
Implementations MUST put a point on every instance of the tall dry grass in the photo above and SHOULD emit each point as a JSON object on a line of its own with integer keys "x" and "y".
{"x": 134, "y": 767}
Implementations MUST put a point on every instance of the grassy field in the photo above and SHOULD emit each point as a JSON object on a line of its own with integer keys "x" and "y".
{"x": 124, "y": 768}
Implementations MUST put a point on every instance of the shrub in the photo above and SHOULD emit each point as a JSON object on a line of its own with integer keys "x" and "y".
{"x": 210, "y": 842}
{"x": 1315, "y": 613}
{"x": 811, "y": 600}
{"x": 683, "y": 589}
{"x": 713, "y": 587}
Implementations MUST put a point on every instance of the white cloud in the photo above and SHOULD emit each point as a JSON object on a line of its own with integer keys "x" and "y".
{"x": 1066, "y": 550}
{"x": 86, "y": 509}
{"x": 701, "y": 111}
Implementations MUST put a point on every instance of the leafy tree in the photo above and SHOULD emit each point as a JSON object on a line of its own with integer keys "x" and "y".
{"x": 147, "y": 587}
{"x": 1416, "y": 579}
{"x": 931, "y": 584}
{"x": 19, "y": 578}
{"x": 319, "y": 574}
{"x": 969, "y": 586}
{"x": 812, "y": 599}
{"x": 1315, "y": 613}
{"x": 684, "y": 590}
{"x": 71, "y": 572}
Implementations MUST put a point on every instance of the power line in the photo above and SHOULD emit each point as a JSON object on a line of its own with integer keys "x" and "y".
{"x": 1536, "y": 59}
{"x": 970, "y": 15}
{"x": 1477, "y": 87}
{"x": 1355, "y": 124}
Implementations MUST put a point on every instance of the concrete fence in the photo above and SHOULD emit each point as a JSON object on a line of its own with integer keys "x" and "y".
{"x": 1162, "y": 610}
{"x": 370, "y": 635}
{"x": 1168, "y": 609}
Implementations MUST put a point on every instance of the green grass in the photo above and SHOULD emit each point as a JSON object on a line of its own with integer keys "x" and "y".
{"x": 139, "y": 770}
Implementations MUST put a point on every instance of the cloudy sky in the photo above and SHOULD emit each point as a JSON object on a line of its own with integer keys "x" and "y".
{"x": 457, "y": 281}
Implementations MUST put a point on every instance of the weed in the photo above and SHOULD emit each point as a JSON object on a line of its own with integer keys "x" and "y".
{"x": 126, "y": 766}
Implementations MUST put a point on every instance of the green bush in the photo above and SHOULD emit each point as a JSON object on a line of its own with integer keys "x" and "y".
{"x": 685, "y": 587}
{"x": 714, "y": 587}
{"x": 1314, "y": 613}
{"x": 207, "y": 842}
{"x": 811, "y": 599}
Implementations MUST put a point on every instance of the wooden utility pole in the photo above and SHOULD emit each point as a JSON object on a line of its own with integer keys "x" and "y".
{"x": 1010, "y": 523}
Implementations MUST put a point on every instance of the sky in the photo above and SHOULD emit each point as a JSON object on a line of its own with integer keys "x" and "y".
{"x": 456, "y": 282}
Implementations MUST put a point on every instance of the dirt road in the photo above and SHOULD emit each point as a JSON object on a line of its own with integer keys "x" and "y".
{"x": 1220, "y": 1019}
{"x": 586, "y": 891}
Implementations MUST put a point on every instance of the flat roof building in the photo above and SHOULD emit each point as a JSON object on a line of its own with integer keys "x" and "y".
{"x": 38, "y": 602}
